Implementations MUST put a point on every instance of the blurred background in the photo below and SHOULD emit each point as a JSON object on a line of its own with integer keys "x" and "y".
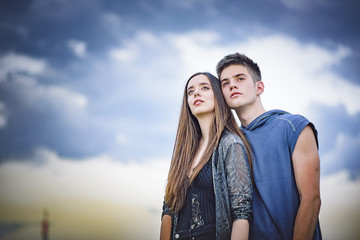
{"x": 90, "y": 95}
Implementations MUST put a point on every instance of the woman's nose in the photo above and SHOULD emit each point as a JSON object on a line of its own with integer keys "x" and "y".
{"x": 196, "y": 93}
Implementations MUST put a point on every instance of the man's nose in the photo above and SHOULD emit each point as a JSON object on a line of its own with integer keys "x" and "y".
{"x": 232, "y": 86}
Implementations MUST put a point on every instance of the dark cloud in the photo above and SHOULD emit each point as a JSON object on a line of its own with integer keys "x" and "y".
{"x": 332, "y": 121}
{"x": 47, "y": 110}
{"x": 41, "y": 121}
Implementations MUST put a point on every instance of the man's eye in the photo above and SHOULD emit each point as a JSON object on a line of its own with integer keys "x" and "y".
{"x": 225, "y": 83}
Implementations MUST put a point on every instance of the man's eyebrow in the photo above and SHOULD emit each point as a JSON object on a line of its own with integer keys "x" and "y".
{"x": 240, "y": 74}
{"x": 235, "y": 76}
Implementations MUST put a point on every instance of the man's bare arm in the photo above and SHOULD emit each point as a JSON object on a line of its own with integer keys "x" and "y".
{"x": 306, "y": 164}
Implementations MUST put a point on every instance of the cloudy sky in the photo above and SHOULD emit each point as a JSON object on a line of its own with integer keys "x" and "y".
{"x": 90, "y": 96}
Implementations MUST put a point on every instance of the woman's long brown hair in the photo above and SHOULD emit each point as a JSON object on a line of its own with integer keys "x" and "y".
{"x": 187, "y": 140}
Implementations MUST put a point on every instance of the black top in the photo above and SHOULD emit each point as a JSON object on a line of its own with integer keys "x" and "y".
{"x": 232, "y": 188}
{"x": 199, "y": 207}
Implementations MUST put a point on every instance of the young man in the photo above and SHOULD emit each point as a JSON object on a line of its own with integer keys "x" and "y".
{"x": 286, "y": 165}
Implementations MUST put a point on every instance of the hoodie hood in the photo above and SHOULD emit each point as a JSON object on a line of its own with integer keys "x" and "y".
{"x": 261, "y": 120}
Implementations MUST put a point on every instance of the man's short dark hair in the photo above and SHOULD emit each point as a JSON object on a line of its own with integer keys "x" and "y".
{"x": 239, "y": 59}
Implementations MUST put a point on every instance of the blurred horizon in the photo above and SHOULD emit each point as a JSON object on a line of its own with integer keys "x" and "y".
{"x": 90, "y": 94}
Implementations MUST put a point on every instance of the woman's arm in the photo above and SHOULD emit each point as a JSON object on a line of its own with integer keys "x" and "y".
{"x": 240, "y": 229}
{"x": 240, "y": 189}
{"x": 165, "y": 230}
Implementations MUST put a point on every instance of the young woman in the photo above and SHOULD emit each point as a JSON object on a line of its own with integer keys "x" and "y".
{"x": 209, "y": 191}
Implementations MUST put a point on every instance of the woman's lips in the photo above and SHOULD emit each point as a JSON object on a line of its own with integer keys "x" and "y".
{"x": 197, "y": 102}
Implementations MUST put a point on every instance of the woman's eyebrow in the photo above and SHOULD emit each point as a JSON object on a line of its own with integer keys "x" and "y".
{"x": 201, "y": 84}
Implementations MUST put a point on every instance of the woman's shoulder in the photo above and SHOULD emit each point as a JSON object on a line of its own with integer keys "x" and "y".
{"x": 231, "y": 148}
{"x": 229, "y": 138}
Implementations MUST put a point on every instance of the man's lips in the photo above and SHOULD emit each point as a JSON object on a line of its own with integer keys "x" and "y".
{"x": 235, "y": 94}
{"x": 197, "y": 102}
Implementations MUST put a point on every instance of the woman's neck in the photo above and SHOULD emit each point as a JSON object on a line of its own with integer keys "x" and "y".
{"x": 204, "y": 123}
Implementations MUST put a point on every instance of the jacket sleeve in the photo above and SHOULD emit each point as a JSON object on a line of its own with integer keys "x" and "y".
{"x": 238, "y": 181}
{"x": 166, "y": 210}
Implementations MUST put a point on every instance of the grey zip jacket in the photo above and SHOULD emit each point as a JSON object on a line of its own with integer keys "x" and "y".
{"x": 232, "y": 186}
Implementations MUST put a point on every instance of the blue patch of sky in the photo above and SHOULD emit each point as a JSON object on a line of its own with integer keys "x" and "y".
{"x": 331, "y": 122}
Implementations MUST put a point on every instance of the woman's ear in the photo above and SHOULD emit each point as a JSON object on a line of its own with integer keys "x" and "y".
{"x": 259, "y": 88}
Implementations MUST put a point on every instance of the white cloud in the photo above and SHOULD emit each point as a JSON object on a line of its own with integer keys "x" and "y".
{"x": 23, "y": 82}
{"x": 189, "y": 4}
{"x": 161, "y": 64}
{"x": 340, "y": 207}
{"x": 79, "y": 48}
{"x": 305, "y": 4}
{"x": 99, "y": 178}
{"x": 2, "y": 121}
{"x": 111, "y": 20}
{"x": 347, "y": 147}
{"x": 197, "y": 50}
{"x": 121, "y": 139}
{"x": 147, "y": 38}
{"x": 298, "y": 4}
{"x": 20, "y": 64}
{"x": 296, "y": 74}
{"x": 112, "y": 24}
{"x": 123, "y": 55}
{"x": 131, "y": 48}
{"x": 36, "y": 95}
{"x": 95, "y": 189}
{"x": 3, "y": 115}
{"x": 66, "y": 96}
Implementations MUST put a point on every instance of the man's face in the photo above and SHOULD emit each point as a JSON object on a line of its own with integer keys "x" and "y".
{"x": 238, "y": 86}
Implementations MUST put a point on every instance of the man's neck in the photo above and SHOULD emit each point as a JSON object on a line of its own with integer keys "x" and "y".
{"x": 247, "y": 114}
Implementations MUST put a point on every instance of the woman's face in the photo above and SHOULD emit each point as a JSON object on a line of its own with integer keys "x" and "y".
{"x": 200, "y": 95}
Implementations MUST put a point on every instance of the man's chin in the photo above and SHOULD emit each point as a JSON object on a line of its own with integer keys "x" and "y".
{"x": 234, "y": 106}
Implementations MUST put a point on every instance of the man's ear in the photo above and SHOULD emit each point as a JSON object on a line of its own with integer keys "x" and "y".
{"x": 260, "y": 88}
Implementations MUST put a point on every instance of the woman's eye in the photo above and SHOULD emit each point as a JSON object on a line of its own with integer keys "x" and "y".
{"x": 190, "y": 92}
{"x": 205, "y": 88}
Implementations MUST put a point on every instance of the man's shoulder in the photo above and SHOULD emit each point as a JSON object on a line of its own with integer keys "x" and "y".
{"x": 281, "y": 114}
{"x": 277, "y": 116}
{"x": 290, "y": 120}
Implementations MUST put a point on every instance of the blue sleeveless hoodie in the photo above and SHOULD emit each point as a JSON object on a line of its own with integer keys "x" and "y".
{"x": 273, "y": 136}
